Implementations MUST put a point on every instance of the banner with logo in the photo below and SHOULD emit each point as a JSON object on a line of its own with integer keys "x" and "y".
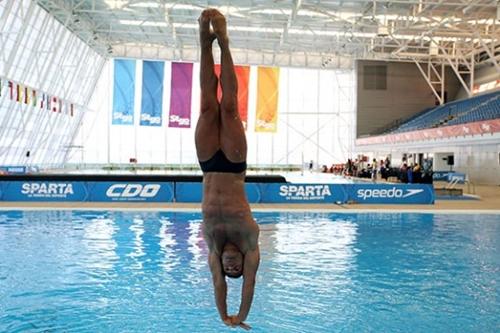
{"x": 123, "y": 92}
{"x": 193, "y": 192}
{"x": 440, "y": 175}
{"x": 475, "y": 128}
{"x": 152, "y": 93}
{"x": 266, "y": 116}
{"x": 44, "y": 191}
{"x": 131, "y": 191}
{"x": 456, "y": 177}
{"x": 302, "y": 193}
{"x": 390, "y": 193}
{"x": 180, "y": 95}
{"x": 242, "y": 76}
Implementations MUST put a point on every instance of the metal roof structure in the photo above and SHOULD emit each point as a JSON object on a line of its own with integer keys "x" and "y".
{"x": 298, "y": 33}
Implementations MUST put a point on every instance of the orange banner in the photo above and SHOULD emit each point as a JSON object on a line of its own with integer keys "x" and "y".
{"x": 267, "y": 99}
{"x": 242, "y": 76}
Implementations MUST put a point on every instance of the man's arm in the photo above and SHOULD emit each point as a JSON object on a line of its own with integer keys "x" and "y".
{"x": 220, "y": 286}
{"x": 250, "y": 267}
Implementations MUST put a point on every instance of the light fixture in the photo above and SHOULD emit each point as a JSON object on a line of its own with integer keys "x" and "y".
{"x": 433, "y": 48}
{"x": 382, "y": 31}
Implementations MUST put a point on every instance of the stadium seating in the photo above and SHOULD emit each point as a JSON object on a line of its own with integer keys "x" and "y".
{"x": 482, "y": 107}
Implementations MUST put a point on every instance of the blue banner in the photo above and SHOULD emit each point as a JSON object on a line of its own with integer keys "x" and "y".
{"x": 253, "y": 192}
{"x": 44, "y": 191}
{"x": 188, "y": 192}
{"x": 123, "y": 92}
{"x": 152, "y": 93}
{"x": 13, "y": 169}
{"x": 456, "y": 177}
{"x": 193, "y": 192}
{"x": 370, "y": 193}
{"x": 390, "y": 193}
{"x": 302, "y": 193}
{"x": 440, "y": 175}
{"x": 131, "y": 191}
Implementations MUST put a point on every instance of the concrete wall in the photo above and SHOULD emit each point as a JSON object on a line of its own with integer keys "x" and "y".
{"x": 481, "y": 163}
{"x": 407, "y": 93}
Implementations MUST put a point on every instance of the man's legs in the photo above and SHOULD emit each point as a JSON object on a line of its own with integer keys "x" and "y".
{"x": 232, "y": 134}
{"x": 207, "y": 129}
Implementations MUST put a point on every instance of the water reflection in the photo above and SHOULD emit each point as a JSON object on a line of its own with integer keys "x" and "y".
{"x": 196, "y": 245}
{"x": 167, "y": 243}
{"x": 303, "y": 252}
{"x": 98, "y": 239}
{"x": 137, "y": 244}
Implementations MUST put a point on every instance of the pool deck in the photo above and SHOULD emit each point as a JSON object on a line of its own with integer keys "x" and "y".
{"x": 488, "y": 202}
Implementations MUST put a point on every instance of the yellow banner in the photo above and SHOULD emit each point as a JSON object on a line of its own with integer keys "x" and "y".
{"x": 267, "y": 99}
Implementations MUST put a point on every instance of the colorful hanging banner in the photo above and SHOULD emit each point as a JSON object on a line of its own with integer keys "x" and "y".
{"x": 152, "y": 93}
{"x": 180, "y": 95}
{"x": 266, "y": 116}
{"x": 123, "y": 92}
{"x": 242, "y": 76}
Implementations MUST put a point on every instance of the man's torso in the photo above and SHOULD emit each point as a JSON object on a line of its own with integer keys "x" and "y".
{"x": 226, "y": 213}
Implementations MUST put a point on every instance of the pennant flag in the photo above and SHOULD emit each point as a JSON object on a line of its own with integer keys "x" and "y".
{"x": 11, "y": 88}
{"x": 267, "y": 99}
{"x": 242, "y": 77}
{"x": 47, "y": 102}
{"x": 152, "y": 93}
{"x": 54, "y": 104}
{"x": 18, "y": 97}
{"x": 123, "y": 92}
{"x": 180, "y": 95}
{"x": 33, "y": 93}
{"x": 71, "y": 109}
{"x": 60, "y": 106}
{"x": 42, "y": 100}
{"x": 26, "y": 95}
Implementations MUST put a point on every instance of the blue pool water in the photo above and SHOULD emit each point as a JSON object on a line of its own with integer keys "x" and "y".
{"x": 77, "y": 271}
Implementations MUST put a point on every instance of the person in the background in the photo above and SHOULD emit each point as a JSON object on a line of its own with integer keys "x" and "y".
{"x": 409, "y": 173}
{"x": 230, "y": 231}
{"x": 374, "y": 170}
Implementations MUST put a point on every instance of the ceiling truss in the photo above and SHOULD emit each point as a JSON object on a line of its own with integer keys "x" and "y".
{"x": 298, "y": 33}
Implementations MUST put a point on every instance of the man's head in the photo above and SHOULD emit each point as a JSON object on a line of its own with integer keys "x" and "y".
{"x": 232, "y": 261}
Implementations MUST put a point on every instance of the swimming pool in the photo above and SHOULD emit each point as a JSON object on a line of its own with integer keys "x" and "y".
{"x": 92, "y": 271}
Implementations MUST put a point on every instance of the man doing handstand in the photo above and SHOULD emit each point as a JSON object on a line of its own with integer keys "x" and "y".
{"x": 228, "y": 227}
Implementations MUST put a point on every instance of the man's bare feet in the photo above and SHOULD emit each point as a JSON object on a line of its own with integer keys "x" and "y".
{"x": 207, "y": 35}
{"x": 219, "y": 26}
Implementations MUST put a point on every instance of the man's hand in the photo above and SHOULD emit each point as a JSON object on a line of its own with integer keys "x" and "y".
{"x": 234, "y": 321}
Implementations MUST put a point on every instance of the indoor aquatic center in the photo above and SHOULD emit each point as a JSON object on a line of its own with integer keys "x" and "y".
{"x": 273, "y": 166}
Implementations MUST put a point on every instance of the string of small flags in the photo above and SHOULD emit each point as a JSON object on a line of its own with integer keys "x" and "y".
{"x": 26, "y": 95}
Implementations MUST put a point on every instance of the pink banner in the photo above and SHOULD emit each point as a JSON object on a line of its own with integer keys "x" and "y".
{"x": 476, "y": 128}
{"x": 180, "y": 95}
